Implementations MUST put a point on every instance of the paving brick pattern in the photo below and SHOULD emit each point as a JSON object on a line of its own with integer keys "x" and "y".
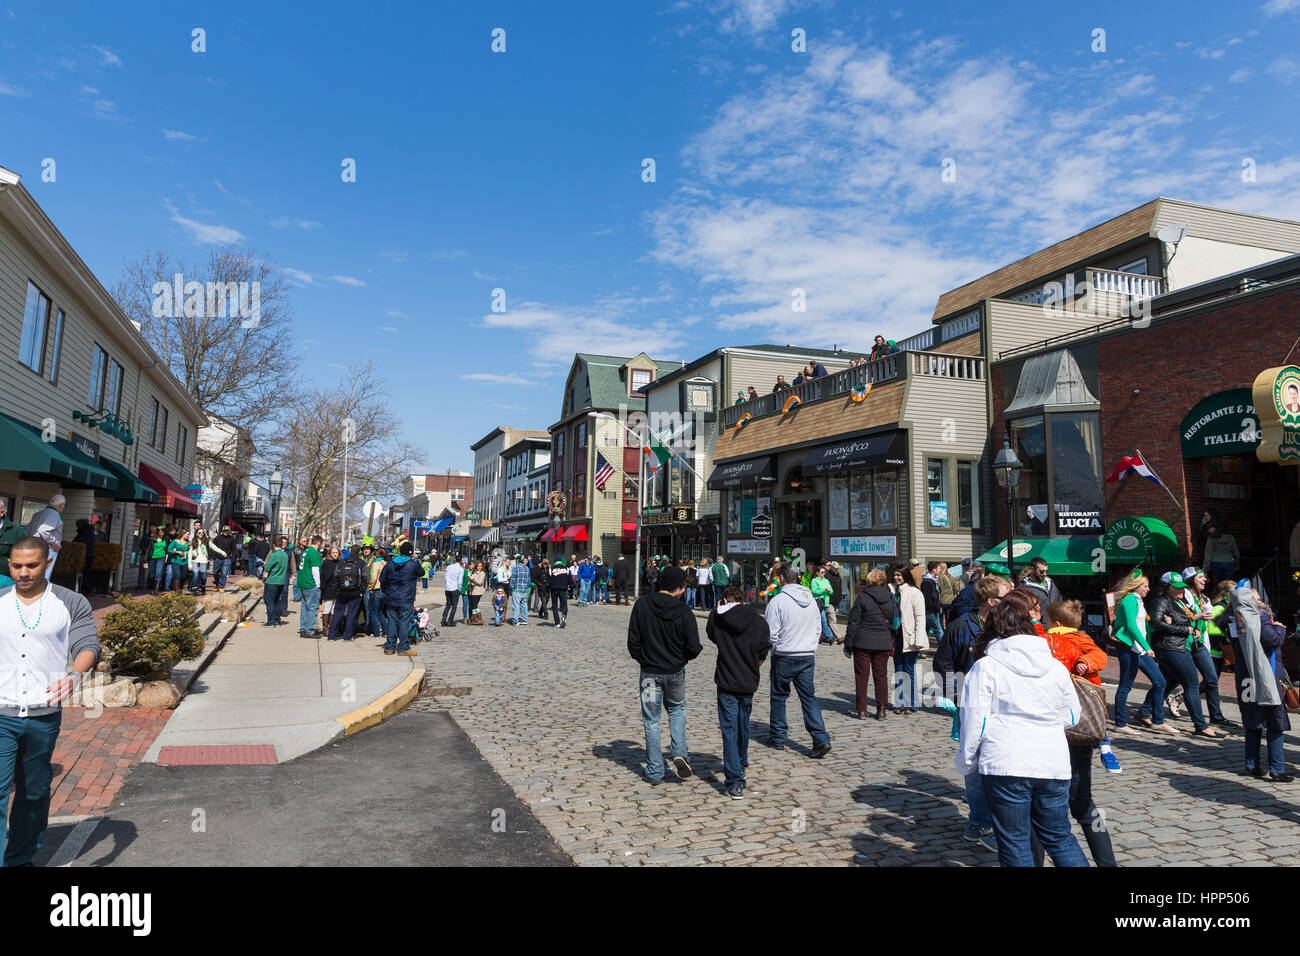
{"x": 556, "y": 714}
{"x": 95, "y": 754}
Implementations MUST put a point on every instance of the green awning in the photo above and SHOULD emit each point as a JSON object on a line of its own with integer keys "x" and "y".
{"x": 22, "y": 449}
{"x": 129, "y": 487}
{"x": 1065, "y": 557}
{"x": 1136, "y": 540}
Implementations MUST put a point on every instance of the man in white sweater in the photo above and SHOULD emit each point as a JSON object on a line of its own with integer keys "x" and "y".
{"x": 795, "y": 624}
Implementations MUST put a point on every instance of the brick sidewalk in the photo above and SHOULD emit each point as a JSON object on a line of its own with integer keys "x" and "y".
{"x": 94, "y": 755}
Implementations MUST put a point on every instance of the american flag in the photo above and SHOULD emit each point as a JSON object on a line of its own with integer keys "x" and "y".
{"x": 604, "y": 471}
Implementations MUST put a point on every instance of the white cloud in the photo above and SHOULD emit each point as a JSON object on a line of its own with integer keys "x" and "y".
{"x": 554, "y": 332}
{"x": 178, "y": 135}
{"x": 7, "y": 90}
{"x": 1240, "y": 76}
{"x": 394, "y": 256}
{"x": 397, "y": 315}
{"x": 89, "y": 91}
{"x": 1284, "y": 70}
{"x": 484, "y": 276}
{"x": 753, "y": 16}
{"x": 387, "y": 328}
{"x": 106, "y": 56}
{"x": 305, "y": 278}
{"x": 200, "y": 231}
{"x": 284, "y": 222}
{"x": 347, "y": 280}
{"x": 493, "y": 378}
{"x": 1275, "y": 7}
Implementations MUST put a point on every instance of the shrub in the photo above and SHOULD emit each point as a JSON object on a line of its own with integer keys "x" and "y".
{"x": 107, "y": 556}
{"x": 252, "y": 584}
{"x": 146, "y": 635}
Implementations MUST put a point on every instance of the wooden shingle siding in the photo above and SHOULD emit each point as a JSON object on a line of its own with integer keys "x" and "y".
{"x": 810, "y": 423}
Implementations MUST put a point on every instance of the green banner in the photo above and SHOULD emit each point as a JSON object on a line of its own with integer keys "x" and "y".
{"x": 1221, "y": 424}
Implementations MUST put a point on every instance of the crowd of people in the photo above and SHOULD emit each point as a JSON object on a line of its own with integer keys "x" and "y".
{"x": 815, "y": 370}
{"x": 1015, "y": 665}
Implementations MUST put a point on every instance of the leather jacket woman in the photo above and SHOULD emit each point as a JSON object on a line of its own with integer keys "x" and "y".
{"x": 1170, "y": 626}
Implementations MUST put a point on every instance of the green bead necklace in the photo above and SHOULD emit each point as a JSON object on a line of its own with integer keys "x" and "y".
{"x": 40, "y": 604}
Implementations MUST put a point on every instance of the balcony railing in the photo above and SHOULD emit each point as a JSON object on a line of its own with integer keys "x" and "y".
{"x": 886, "y": 369}
{"x": 1131, "y": 284}
{"x": 248, "y": 506}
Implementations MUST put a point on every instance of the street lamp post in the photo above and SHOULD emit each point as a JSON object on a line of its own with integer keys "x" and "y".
{"x": 277, "y": 485}
{"x": 1006, "y": 468}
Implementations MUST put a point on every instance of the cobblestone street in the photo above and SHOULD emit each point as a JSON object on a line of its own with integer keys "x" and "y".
{"x": 556, "y": 714}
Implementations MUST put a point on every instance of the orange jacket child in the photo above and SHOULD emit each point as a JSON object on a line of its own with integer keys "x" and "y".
{"x": 1070, "y": 646}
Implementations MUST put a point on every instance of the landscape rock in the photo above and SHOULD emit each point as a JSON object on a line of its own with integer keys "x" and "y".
{"x": 118, "y": 693}
{"x": 157, "y": 694}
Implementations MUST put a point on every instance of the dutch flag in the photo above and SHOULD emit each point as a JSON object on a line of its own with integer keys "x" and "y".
{"x": 1134, "y": 465}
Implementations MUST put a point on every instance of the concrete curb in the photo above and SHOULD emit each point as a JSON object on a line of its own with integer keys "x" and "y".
{"x": 386, "y": 706}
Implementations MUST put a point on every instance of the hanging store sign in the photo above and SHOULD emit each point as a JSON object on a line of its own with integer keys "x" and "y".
{"x": 865, "y": 546}
{"x": 1276, "y": 394}
{"x": 762, "y": 527}
{"x": 745, "y": 546}
{"x": 1221, "y": 424}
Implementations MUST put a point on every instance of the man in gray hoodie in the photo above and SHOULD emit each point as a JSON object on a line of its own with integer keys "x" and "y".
{"x": 795, "y": 624}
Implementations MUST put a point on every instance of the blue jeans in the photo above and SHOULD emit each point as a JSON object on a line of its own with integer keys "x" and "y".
{"x": 799, "y": 671}
{"x": 1222, "y": 571}
{"x": 603, "y": 591}
{"x": 26, "y": 746}
{"x": 658, "y": 691}
{"x": 1180, "y": 669}
{"x": 374, "y": 605}
{"x": 464, "y": 605}
{"x": 519, "y": 607}
{"x": 272, "y": 597}
{"x": 307, "y": 613}
{"x": 157, "y": 573}
{"x": 398, "y": 636}
{"x": 220, "y": 571}
{"x": 199, "y": 575}
{"x": 733, "y": 721}
{"x": 559, "y": 606}
{"x": 498, "y": 611}
{"x": 1084, "y": 810}
{"x": 345, "y": 617}
{"x": 906, "y": 691}
{"x": 584, "y": 592}
{"x": 1204, "y": 662}
{"x": 933, "y": 626}
{"x": 255, "y": 565}
{"x": 690, "y": 596}
{"x": 1021, "y": 805}
{"x": 1154, "y": 705}
{"x": 1276, "y": 759}
{"x": 978, "y": 806}
{"x": 175, "y": 572}
{"x": 827, "y": 636}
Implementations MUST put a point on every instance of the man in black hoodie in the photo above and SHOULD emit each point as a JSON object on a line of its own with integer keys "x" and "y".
{"x": 743, "y": 640}
{"x": 662, "y": 635}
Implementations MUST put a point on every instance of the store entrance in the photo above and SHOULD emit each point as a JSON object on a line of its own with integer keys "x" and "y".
{"x": 799, "y": 514}
{"x": 1273, "y": 515}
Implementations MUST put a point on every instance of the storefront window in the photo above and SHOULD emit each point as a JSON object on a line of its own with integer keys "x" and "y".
{"x": 797, "y": 484}
{"x": 936, "y": 478}
{"x": 1076, "y": 472}
{"x": 861, "y": 507}
{"x": 802, "y": 518}
{"x": 1029, "y": 502}
{"x": 968, "y": 494}
{"x": 885, "y": 483}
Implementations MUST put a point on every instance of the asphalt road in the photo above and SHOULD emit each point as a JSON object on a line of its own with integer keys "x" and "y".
{"x": 412, "y": 791}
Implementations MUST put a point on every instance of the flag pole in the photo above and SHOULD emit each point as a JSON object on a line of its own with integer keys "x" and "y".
{"x": 1161, "y": 480}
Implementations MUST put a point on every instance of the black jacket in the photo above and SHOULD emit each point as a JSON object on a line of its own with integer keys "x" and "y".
{"x": 662, "y": 634}
{"x": 930, "y": 591}
{"x": 1172, "y": 636}
{"x": 837, "y": 588}
{"x": 226, "y": 542}
{"x": 622, "y": 573}
{"x": 559, "y": 580}
{"x": 538, "y": 577}
{"x": 329, "y": 588}
{"x": 743, "y": 641}
{"x": 873, "y": 611}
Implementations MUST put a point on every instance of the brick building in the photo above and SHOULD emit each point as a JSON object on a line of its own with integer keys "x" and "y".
{"x": 1179, "y": 391}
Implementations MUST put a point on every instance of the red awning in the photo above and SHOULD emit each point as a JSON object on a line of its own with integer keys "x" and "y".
{"x": 629, "y": 530}
{"x": 576, "y": 532}
{"x": 548, "y": 535}
{"x": 170, "y": 495}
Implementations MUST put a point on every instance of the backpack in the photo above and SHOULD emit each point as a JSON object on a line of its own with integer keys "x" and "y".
{"x": 349, "y": 580}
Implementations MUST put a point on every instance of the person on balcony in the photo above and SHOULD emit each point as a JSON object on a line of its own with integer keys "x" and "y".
{"x": 883, "y": 347}
{"x": 752, "y": 394}
{"x": 781, "y": 383}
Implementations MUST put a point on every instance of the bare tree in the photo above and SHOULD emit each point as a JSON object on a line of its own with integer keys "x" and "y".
{"x": 310, "y": 448}
{"x": 223, "y": 328}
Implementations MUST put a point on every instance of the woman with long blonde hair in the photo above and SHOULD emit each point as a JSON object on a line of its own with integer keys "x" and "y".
{"x": 1130, "y": 630}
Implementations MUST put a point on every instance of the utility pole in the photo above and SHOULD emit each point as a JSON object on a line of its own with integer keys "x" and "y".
{"x": 349, "y": 433}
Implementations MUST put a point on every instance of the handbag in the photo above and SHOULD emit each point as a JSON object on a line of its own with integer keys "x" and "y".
{"x": 1090, "y": 729}
{"x": 1290, "y": 693}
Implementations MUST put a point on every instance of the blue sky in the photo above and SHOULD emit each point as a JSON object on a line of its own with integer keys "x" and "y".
{"x": 522, "y": 170}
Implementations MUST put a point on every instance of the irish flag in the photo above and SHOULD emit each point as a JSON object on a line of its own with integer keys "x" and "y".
{"x": 656, "y": 450}
{"x": 1134, "y": 465}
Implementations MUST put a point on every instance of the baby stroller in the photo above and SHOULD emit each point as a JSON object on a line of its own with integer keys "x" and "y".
{"x": 420, "y": 627}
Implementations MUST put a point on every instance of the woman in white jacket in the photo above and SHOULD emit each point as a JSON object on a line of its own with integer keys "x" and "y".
{"x": 1015, "y": 706}
{"x": 198, "y": 563}
{"x": 910, "y": 639}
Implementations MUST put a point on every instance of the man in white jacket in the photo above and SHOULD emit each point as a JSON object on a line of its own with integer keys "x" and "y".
{"x": 451, "y": 581}
{"x": 795, "y": 623}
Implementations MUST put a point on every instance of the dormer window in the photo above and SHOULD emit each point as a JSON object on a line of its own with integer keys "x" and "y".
{"x": 640, "y": 378}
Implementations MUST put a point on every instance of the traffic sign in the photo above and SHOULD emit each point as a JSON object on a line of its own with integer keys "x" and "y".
{"x": 474, "y": 516}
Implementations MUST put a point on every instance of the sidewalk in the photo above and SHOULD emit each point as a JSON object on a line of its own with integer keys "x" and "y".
{"x": 270, "y": 696}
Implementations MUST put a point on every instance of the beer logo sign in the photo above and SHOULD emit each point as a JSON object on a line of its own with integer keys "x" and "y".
{"x": 1276, "y": 394}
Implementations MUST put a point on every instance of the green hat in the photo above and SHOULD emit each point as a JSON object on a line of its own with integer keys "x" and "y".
{"x": 998, "y": 569}
{"x": 1173, "y": 579}
{"x": 559, "y": 563}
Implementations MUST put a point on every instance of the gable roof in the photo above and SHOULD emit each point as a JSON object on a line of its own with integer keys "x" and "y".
{"x": 608, "y": 387}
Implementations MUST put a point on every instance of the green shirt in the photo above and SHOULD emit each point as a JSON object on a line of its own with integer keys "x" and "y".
{"x": 179, "y": 551}
{"x": 277, "y": 567}
{"x": 159, "y": 549}
{"x": 310, "y": 559}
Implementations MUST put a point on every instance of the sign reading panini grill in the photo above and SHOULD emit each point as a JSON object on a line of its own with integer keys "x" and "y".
{"x": 888, "y": 448}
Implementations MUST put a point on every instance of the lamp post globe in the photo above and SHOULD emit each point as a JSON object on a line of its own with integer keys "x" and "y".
{"x": 1006, "y": 469}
